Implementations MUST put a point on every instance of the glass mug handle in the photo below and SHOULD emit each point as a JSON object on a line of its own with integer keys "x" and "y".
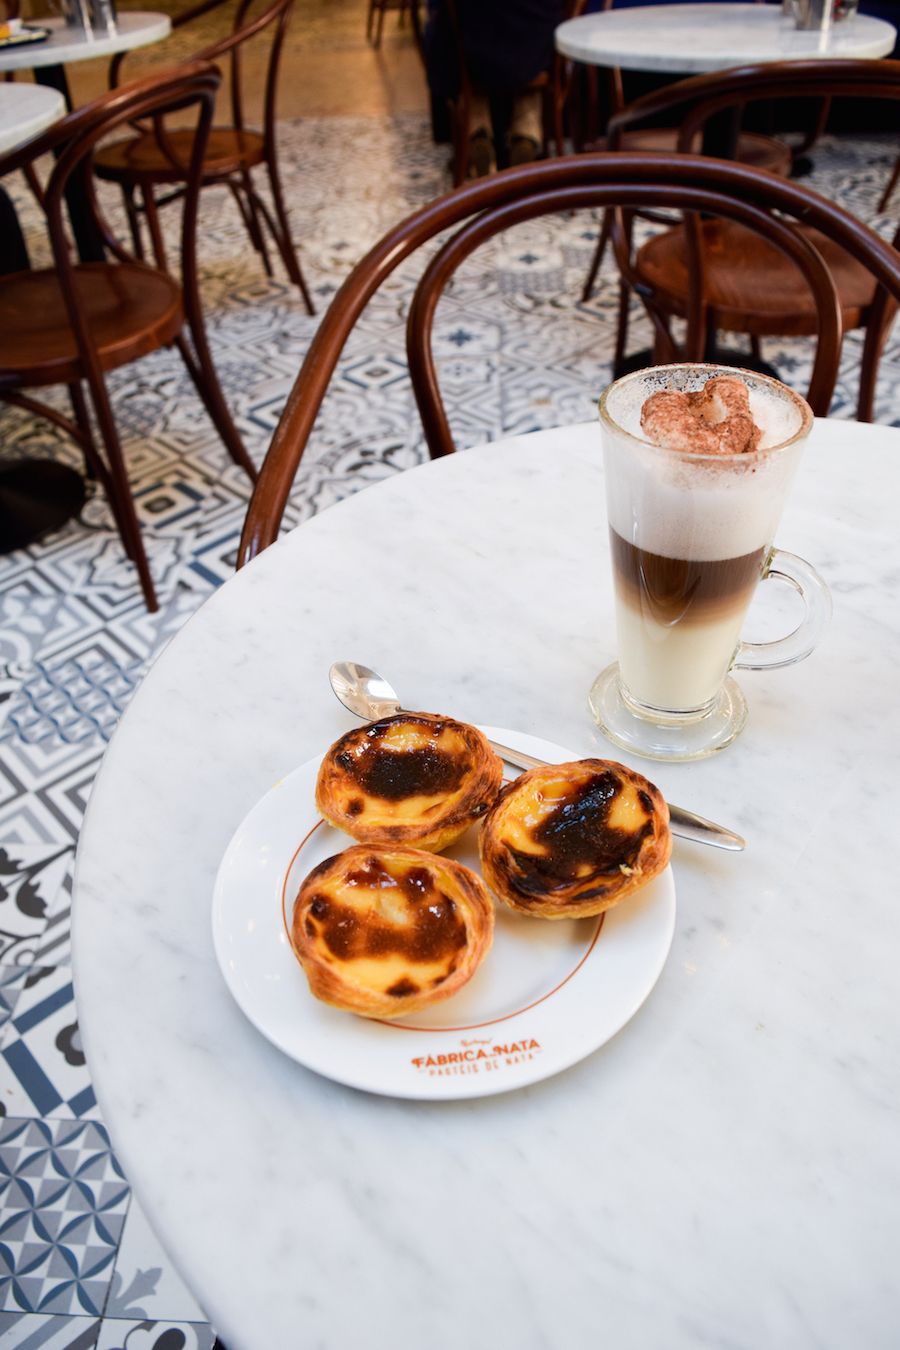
{"x": 805, "y": 580}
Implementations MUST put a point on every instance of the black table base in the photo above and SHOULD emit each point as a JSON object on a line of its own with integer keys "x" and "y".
{"x": 714, "y": 356}
{"x": 36, "y": 496}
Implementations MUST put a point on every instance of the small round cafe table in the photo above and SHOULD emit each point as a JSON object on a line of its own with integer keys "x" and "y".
{"x": 25, "y": 109}
{"x": 690, "y": 39}
{"x": 724, "y": 1170}
{"x": 65, "y": 44}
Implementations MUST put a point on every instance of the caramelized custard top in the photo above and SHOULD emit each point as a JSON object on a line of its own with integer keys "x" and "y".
{"x": 389, "y": 764}
{"x": 399, "y": 912}
{"x": 579, "y": 830}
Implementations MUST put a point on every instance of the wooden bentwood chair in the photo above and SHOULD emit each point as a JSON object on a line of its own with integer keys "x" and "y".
{"x": 141, "y": 166}
{"x": 73, "y": 322}
{"x": 747, "y": 285}
{"x": 477, "y": 211}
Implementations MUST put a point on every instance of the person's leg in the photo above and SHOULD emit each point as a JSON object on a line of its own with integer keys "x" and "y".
{"x": 482, "y": 156}
{"x": 526, "y": 130}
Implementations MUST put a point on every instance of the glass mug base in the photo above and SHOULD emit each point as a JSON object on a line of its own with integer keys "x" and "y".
{"x": 666, "y": 736}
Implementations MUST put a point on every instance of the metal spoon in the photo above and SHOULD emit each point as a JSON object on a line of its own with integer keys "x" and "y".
{"x": 370, "y": 696}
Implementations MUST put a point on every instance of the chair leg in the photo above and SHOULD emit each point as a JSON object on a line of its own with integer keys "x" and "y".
{"x": 150, "y": 211}
{"x": 250, "y": 216}
{"x": 134, "y": 220}
{"x": 379, "y": 25}
{"x": 119, "y": 492}
{"x": 206, "y": 381}
{"x": 621, "y": 327}
{"x": 282, "y": 235}
{"x": 892, "y": 183}
{"x": 83, "y": 422}
{"x": 876, "y": 335}
{"x": 605, "y": 232}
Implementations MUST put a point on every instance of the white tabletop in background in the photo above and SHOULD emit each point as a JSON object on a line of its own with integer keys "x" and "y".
{"x": 64, "y": 45}
{"x": 725, "y": 1171}
{"x": 25, "y": 109}
{"x": 693, "y": 38}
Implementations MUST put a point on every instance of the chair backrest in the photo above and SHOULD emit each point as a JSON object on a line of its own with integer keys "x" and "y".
{"x": 244, "y": 28}
{"x": 703, "y": 96}
{"x": 483, "y": 208}
{"x": 73, "y": 139}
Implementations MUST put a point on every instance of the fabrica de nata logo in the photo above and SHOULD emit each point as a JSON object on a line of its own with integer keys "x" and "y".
{"x": 477, "y": 1056}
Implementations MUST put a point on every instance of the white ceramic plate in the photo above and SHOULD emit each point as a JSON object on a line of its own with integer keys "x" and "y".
{"x": 547, "y": 995}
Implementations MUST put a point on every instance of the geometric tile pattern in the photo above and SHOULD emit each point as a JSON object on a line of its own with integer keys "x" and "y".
{"x": 73, "y": 699}
{"x": 66, "y": 1198}
{"x": 516, "y": 351}
{"x": 34, "y": 1331}
{"x": 45, "y": 1072}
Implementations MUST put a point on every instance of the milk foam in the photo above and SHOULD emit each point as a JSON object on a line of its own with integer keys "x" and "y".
{"x": 692, "y": 507}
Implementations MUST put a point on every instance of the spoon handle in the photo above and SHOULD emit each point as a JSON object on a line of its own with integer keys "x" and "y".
{"x": 684, "y": 823}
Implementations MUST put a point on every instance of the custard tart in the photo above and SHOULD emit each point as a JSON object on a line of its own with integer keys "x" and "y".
{"x": 570, "y": 840}
{"x": 387, "y": 931}
{"x": 413, "y": 778}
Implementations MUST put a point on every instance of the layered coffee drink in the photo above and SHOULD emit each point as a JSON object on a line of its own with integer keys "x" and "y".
{"x": 679, "y": 621}
{"x": 698, "y": 464}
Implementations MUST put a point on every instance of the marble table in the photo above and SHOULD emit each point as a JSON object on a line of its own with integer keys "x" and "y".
{"x": 64, "y": 45}
{"x": 49, "y": 60}
{"x": 25, "y": 109}
{"x": 689, "y": 39}
{"x": 725, "y": 1170}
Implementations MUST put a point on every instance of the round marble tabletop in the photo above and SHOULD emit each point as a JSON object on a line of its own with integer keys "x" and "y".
{"x": 725, "y": 1169}
{"x": 695, "y": 38}
{"x": 133, "y": 29}
{"x": 25, "y": 109}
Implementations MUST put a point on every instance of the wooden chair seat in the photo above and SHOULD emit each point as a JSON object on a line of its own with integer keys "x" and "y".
{"x": 749, "y": 283}
{"x": 760, "y": 152}
{"x": 130, "y": 309}
{"x": 142, "y": 158}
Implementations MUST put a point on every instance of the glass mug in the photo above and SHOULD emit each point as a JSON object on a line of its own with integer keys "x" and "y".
{"x": 690, "y": 538}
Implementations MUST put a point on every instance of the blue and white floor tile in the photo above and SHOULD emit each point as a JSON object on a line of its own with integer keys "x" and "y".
{"x": 144, "y": 1283}
{"x": 516, "y": 350}
{"x": 64, "y": 1203}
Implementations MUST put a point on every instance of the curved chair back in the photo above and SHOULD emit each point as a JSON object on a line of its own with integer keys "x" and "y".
{"x": 484, "y": 208}
{"x": 243, "y": 30}
{"x": 706, "y": 95}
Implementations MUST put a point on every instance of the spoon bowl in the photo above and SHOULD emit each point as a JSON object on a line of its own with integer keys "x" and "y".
{"x": 363, "y": 691}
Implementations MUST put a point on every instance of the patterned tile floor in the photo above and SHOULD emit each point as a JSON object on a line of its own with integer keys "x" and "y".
{"x": 79, "y": 1266}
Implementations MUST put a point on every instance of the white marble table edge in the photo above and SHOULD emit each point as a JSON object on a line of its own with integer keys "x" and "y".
{"x": 134, "y": 28}
{"x": 26, "y": 109}
{"x": 764, "y": 36}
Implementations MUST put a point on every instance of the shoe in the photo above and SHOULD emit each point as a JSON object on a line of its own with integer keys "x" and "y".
{"x": 523, "y": 150}
{"x": 482, "y": 159}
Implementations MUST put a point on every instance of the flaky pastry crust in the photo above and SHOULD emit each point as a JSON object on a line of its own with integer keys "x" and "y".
{"x": 415, "y": 778}
{"x": 387, "y": 931}
{"x": 570, "y": 840}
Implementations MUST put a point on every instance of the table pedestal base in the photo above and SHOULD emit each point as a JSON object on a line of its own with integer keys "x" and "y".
{"x": 715, "y": 356}
{"x": 36, "y": 496}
